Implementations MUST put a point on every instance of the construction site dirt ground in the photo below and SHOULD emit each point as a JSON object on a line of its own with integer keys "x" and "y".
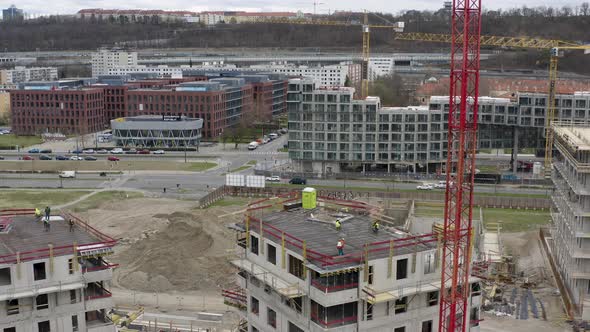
{"x": 530, "y": 257}
{"x": 172, "y": 256}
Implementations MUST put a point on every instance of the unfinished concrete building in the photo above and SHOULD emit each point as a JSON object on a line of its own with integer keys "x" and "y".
{"x": 294, "y": 278}
{"x": 56, "y": 279}
{"x": 570, "y": 234}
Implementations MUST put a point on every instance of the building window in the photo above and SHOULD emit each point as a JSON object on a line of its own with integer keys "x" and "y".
{"x": 254, "y": 244}
{"x": 271, "y": 317}
{"x": 429, "y": 262}
{"x": 39, "y": 271}
{"x": 401, "y": 269}
{"x": 369, "y": 307}
{"x": 254, "y": 305}
{"x": 75, "y": 323}
{"x": 73, "y": 298}
{"x": 12, "y": 307}
{"x": 400, "y": 329}
{"x": 427, "y": 326}
{"x": 370, "y": 277}
{"x": 5, "y": 278}
{"x": 401, "y": 305}
{"x": 44, "y": 326}
{"x": 475, "y": 289}
{"x": 10, "y": 329}
{"x": 42, "y": 302}
{"x": 271, "y": 254}
{"x": 71, "y": 265}
{"x": 294, "y": 328}
{"x": 296, "y": 267}
{"x": 432, "y": 298}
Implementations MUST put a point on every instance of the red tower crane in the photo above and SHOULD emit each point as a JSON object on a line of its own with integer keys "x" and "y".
{"x": 460, "y": 167}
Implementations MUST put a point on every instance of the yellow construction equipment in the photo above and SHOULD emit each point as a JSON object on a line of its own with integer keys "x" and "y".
{"x": 555, "y": 47}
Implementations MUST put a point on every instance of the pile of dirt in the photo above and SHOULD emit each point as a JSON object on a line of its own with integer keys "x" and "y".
{"x": 179, "y": 257}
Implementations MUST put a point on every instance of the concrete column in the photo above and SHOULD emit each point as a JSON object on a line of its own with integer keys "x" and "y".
{"x": 515, "y": 151}
{"x": 388, "y": 168}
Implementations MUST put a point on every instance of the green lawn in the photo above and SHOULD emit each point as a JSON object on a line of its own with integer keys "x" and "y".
{"x": 239, "y": 169}
{"x": 251, "y": 162}
{"x": 510, "y": 219}
{"x": 96, "y": 200}
{"x": 23, "y": 199}
{"x": 9, "y": 141}
{"x": 199, "y": 167}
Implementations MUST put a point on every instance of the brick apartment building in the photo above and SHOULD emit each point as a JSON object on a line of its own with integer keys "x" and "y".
{"x": 76, "y": 111}
{"x": 220, "y": 102}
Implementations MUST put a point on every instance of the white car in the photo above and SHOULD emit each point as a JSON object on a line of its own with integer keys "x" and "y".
{"x": 440, "y": 185}
{"x": 88, "y": 151}
{"x": 425, "y": 186}
{"x": 76, "y": 158}
{"x": 159, "y": 152}
{"x": 117, "y": 151}
{"x": 275, "y": 178}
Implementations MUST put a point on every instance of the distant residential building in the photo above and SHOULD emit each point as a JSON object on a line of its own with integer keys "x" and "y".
{"x": 323, "y": 76}
{"x": 103, "y": 60}
{"x": 138, "y": 15}
{"x": 4, "y": 103}
{"x": 12, "y": 14}
{"x": 22, "y": 74}
{"x": 211, "y": 18}
{"x": 161, "y": 71}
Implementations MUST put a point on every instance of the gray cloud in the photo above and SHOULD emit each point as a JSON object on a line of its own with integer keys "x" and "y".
{"x": 72, "y": 6}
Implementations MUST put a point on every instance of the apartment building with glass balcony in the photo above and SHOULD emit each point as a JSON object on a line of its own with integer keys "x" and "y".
{"x": 570, "y": 235}
{"x": 294, "y": 279}
{"x": 56, "y": 279}
{"x": 329, "y": 131}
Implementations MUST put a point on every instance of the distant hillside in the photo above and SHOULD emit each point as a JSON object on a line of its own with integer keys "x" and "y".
{"x": 60, "y": 33}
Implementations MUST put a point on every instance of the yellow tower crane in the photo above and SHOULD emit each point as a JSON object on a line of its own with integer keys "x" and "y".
{"x": 555, "y": 47}
{"x": 366, "y": 31}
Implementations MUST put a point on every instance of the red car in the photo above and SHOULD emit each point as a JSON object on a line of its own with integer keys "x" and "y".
{"x": 28, "y": 158}
{"x": 146, "y": 151}
{"x": 113, "y": 158}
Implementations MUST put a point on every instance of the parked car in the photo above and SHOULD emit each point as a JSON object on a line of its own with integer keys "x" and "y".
{"x": 144, "y": 151}
{"x": 273, "y": 136}
{"x": 102, "y": 151}
{"x": 45, "y": 157}
{"x": 113, "y": 158}
{"x": 77, "y": 151}
{"x": 89, "y": 151}
{"x": 425, "y": 186}
{"x": 28, "y": 158}
{"x": 60, "y": 157}
{"x": 90, "y": 158}
{"x": 131, "y": 151}
{"x": 67, "y": 174}
{"x": 159, "y": 152}
{"x": 35, "y": 150}
{"x": 45, "y": 151}
{"x": 298, "y": 180}
{"x": 1, "y": 158}
{"x": 117, "y": 151}
{"x": 274, "y": 178}
{"x": 76, "y": 158}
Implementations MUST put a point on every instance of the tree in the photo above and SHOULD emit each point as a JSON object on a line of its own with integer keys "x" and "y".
{"x": 347, "y": 82}
{"x": 391, "y": 90}
{"x": 584, "y": 9}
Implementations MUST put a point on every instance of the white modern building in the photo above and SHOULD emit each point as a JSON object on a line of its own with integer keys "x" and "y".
{"x": 56, "y": 279}
{"x": 211, "y": 18}
{"x": 103, "y": 60}
{"x": 294, "y": 279}
{"x": 323, "y": 76}
{"x": 23, "y": 74}
{"x": 161, "y": 71}
{"x": 570, "y": 235}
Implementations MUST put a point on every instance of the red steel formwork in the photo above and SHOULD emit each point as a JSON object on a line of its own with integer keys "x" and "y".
{"x": 460, "y": 167}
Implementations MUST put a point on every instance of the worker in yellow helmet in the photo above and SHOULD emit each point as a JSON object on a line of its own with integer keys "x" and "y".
{"x": 338, "y": 224}
{"x": 376, "y": 226}
{"x": 37, "y": 214}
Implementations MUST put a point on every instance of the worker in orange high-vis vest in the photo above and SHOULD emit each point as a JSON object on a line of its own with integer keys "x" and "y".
{"x": 340, "y": 247}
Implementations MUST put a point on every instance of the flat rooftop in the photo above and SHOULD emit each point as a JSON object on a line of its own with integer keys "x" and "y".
{"x": 321, "y": 236}
{"x": 576, "y": 137}
{"x": 27, "y": 234}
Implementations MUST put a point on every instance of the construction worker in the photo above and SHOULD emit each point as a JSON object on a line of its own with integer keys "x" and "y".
{"x": 71, "y": 223}
{"x": 338, "y": 224}
{"x": 340, "y": 247}
{"x": 375, "y": 226}
{"x": 38, "y": 214}
{"x": 47, "y": 213}
{"x": 46, "y": 224}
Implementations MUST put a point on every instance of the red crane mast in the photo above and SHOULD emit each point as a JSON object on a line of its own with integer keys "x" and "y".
{"x": 460, "y": 167}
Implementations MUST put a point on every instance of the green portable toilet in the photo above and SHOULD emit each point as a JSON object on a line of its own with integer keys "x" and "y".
{"x": 309, "y": 198}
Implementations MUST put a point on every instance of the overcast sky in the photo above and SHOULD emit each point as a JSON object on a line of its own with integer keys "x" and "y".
{"x": 72, "y": 6}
